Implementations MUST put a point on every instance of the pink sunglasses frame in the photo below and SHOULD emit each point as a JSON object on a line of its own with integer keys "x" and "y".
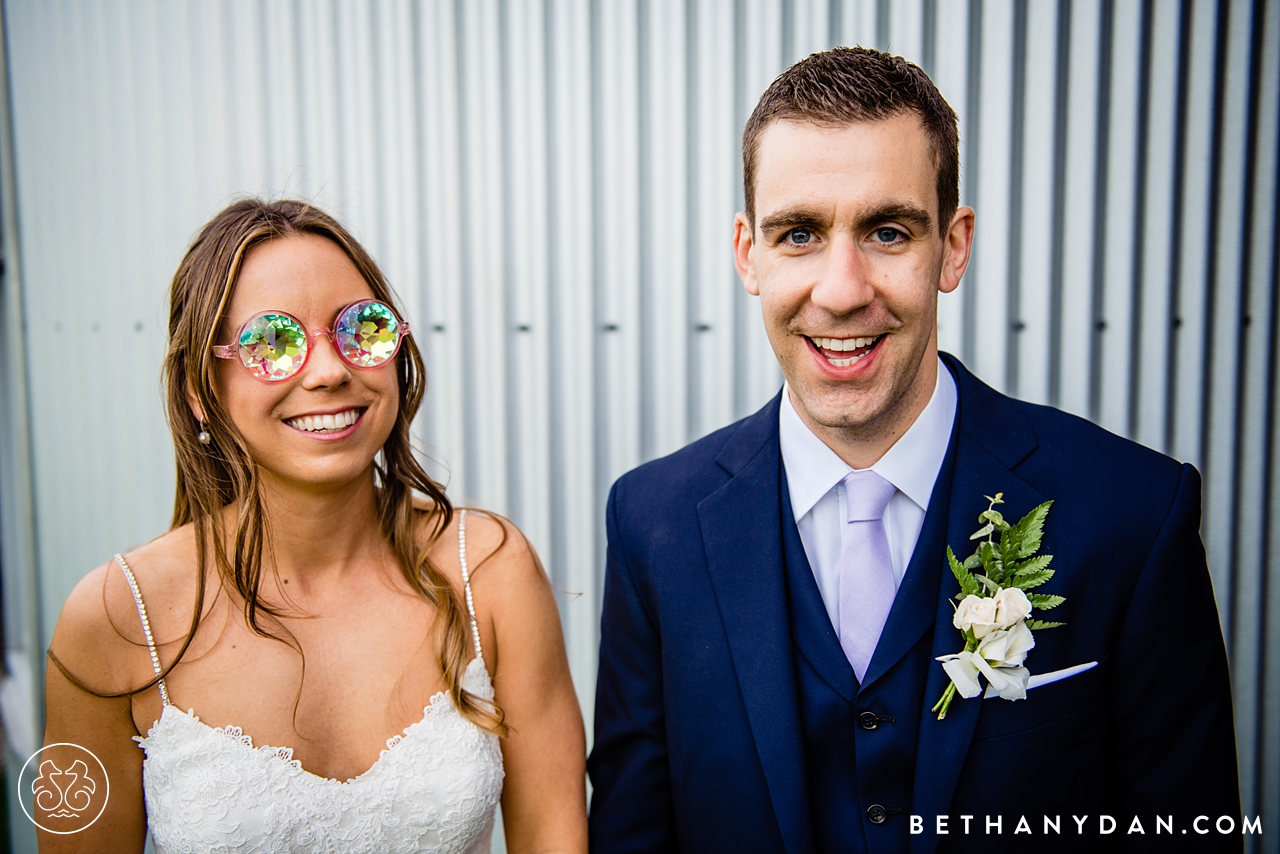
{"x": 232, "y": 351}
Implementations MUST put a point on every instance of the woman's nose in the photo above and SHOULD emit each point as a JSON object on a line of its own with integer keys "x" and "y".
{"x": 325, "y": 368}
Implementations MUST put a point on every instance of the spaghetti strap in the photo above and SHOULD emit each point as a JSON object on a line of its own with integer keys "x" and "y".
{"x": 466, "y": 580}
{"x": 146, "y": 628}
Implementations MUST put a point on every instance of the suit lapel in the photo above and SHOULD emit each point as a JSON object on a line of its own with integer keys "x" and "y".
{"x": 991, "y": 438}
{"x": 741, "y": 534}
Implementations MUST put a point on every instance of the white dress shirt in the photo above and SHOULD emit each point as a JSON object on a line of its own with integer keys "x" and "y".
{"x": 814, "y": 475}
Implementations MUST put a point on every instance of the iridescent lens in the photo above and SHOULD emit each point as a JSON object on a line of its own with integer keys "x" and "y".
{"x": 273, "y": 346}
{"x": 368, "y": 334}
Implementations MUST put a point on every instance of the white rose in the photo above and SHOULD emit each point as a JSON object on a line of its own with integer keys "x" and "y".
{"x": 977, "y": 613}
{"x": 1007, "y": 648}
{"x": 1012, "y": 606}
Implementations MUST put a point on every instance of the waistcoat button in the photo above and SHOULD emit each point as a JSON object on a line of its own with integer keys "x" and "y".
{"x": 877, "y": 814}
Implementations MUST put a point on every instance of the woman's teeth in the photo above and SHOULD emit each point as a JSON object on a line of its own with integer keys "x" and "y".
{"x": 325, "y": 423}
{"x": 856, "y": 347}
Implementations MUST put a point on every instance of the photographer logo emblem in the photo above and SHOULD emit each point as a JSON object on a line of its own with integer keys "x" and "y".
{"x": 68, "y": 787}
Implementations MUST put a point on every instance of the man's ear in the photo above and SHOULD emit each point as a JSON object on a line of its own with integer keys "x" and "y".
{"x": 958, "y": 244}
{"x": 193, "y": 401}
{"x": 743, "y": 242}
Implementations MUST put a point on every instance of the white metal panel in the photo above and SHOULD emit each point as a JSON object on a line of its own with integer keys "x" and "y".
{"x": 759, "y": 377}
{"x": 811, "y": 28}
{"x": 664, "y": 293}
{"x": 715, "y": 179}
{"x": 906, "y": 29}
{"x": 576, "y": 558}
{"x": 1159, "y": 234}
{"x": 951, "y": 73}
{"x": 617, "y": 271}
{"x": 988, "y": 278}
{"x": 1076, "y": 320}
{"x": 858, "y": 22}
{"x": 1035, "y": 274}
{"x": 1110, "y": 374}
{"x": 1196, "y": 257}
{"x": 442, "y": 235}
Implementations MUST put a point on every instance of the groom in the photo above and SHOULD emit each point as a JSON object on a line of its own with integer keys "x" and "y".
{"x": 777, "y": 595}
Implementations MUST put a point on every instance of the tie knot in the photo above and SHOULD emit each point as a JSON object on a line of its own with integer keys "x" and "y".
{"x": 866, "y": 494}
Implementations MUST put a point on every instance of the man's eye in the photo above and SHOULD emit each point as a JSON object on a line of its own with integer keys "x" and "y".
{"x": 799, "y": 236}
{"x": 888, "y": 235}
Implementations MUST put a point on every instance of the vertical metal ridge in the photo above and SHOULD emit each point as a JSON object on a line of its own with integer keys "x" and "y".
{"x": 1220, "y": 52}
{"x": 883, "y": 12}
{"x": 507, "y": 158}
{"x": 1270, "y": 495}
{"x": 599, "y": 267}
{"x": 787, "y": 32}
{"x": 835, "y": 22}
{"x": 25, "y": 574}
{"x": 1013, "y": 283}
{"x": 1172, "y": 350}
{"x": 559, "y": 535}
{"x": 648, "y": 431}
{"x": 466, "y": 287}
{"x": 741, "y": 392}
{"x": 1139, "y": 222}
{"x": 972, "y": 126}
{"x": 693, "y": 308}
{"x": 1061, "y": 93}
{"x": 1222, "y": 41}
{"x": 1101, "y": 174}
{"x": 929, "y": 34}
{"x": 1243, "y": 309}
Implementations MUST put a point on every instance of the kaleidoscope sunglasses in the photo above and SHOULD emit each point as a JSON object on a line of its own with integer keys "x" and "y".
{"x": 274, "y": 346}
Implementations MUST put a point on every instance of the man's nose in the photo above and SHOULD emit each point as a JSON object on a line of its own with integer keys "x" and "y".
{"x": 845, "y": 282}
{"x": 324, "y": 367}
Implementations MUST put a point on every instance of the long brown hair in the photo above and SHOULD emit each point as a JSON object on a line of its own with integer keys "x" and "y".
{"x": 223, "y": 473}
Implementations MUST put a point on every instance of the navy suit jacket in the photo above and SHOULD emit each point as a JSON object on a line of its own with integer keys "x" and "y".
{"x": 698, "y": 745}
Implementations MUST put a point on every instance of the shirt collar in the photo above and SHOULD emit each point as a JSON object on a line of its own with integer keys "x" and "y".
{"x": 911, "y": 465}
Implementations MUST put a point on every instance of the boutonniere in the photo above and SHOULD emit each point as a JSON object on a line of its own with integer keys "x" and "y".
{"x": 994, "y": 615}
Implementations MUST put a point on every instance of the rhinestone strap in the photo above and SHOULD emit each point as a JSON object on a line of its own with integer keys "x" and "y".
{"x": 146, "y": 626}
{"x": 466, "y": 579}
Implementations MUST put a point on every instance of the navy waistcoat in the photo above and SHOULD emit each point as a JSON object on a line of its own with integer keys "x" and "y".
{"x": 860, "y": 741}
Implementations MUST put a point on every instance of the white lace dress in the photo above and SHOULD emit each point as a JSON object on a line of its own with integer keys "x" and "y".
{"x": 434, "y": 789}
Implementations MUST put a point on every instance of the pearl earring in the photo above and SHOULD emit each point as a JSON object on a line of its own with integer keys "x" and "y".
{"x": 203, "y": 436}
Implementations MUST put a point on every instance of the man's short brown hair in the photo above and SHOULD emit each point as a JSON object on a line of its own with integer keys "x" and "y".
{"x": 845, "y": 85}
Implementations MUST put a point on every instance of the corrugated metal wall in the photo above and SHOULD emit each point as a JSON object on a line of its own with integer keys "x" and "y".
{"x": 551, "y": 184}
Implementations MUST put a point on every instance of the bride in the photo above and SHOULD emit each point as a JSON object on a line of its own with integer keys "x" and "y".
{"x": 322, "y": 654}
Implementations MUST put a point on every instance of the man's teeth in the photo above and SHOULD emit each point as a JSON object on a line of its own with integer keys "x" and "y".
{"x": 319, "y": 423}
{"x": 843, "y": 345}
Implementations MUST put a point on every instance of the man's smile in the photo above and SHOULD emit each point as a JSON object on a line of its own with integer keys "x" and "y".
{"x": 843, "y": 352}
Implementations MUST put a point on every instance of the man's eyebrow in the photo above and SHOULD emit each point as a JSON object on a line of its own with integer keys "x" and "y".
{"x": 903, "y": 213}
{"x": 794, "y": 218}
{"x": 797, "y": 217}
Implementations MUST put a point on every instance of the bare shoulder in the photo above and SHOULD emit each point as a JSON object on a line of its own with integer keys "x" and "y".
{"x": 99, "y": 636}
{"x": 502, "y": 562}
{"x": 509, "y": 586}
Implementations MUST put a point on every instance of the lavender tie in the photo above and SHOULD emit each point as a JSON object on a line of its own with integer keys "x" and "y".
{"x": 866, "y": 570}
